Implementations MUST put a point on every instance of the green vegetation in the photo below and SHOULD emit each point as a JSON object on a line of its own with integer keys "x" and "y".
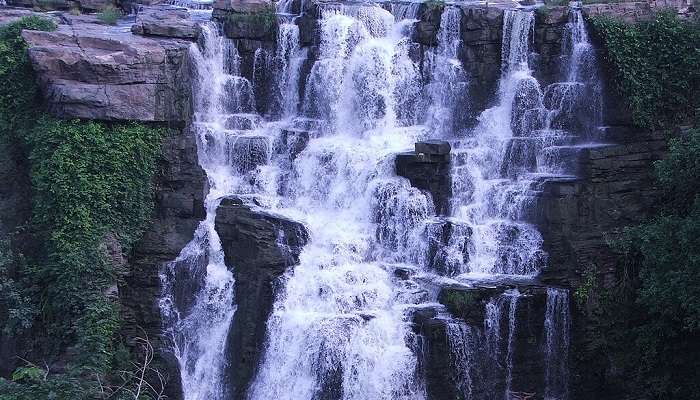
{"x": 433, "y": 4}
{"x": 264, "y": 20}
{"x": 110, "y": 15}
{"x": 645, "y": 328}
{"x": 656, "y": 65}
{"x": 92, "y": 196}
{"x": 457, "y": 302}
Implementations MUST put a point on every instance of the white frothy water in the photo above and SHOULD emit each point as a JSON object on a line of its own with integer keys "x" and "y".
{"x": 337, "y": 329}
{"x": 340, "y": 325}
{"x": 448, "y": 81}
{"x": 199, "y": 325}
{"x": 557, "y": 326}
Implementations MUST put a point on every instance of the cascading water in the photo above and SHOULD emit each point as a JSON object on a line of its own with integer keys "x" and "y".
{"x": 198, "y": 300}
{"x": 557, "y": 326}
{"x": 531, "y": 135}
{"x": 448, "y": 81}
{"x": 340, "y": 326}
{"x": 337, "y": 330}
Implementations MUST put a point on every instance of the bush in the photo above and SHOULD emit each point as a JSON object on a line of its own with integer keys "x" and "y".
{"x": 110, "y": 15}
{"x": 656, "y": 65}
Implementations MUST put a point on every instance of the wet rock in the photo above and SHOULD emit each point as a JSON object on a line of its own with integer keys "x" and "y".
{"x": 88, "y": 71}
{"x": 487, "y": 331}
{"x": 446, "y": 246}
{"x": 167, "y": 21}
{"x": 249, "y": 152}
{"x": 428, "y": 170}
{"x": 259, "y": 247}
{"x": 293, "y": 141}
{"x": 426, "y": 29}
{"x": 179, "y": 207}
{"x": 615, "y": 188}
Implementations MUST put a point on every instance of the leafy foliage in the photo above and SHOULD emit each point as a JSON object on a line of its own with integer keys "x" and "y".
{"x": 656, "y": 66}
{"x": 110, "y": 15}
{"x": 92, "y": 195}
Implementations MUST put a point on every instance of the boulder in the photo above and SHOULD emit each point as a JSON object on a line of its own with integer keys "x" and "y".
{"x": 259, "y": 247}
{"x": 88, "y": 71}
{"x": 167, "y": 21}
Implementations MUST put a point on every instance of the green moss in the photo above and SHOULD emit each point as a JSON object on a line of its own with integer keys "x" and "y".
{"x": 458, "y": 301}
{"x": 90, "y": 181}
{"x": 656, "y": 65}
{"x": 265, "y": 19}
{"x": 110, "y": 15}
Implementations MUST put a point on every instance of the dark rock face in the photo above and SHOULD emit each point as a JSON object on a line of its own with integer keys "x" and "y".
{"x": 167, "y": 21}
{"x": 488, "y": 335}
{"x": 482, "y": 31}
{"x": 259, "y": 247}
{"x": 87, "y": 71}
{"x": 179, "y": 207}
{"x": 616, "y": 188}
{"x": 428, "y": 168}
{"x": 426, "y": 29}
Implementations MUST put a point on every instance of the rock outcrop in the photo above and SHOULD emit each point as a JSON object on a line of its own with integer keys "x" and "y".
{"x": 428, "y": 168}
{"x": 166, "y": 21}
{"x": 87, "y": 70}
{"x": 259, "y": 247}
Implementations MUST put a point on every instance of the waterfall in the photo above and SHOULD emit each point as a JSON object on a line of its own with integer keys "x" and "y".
{"x": 463, "y": 342}
{"x": 557, "y": 327}
{"x": 448, "y": 81}
{"x": 512, "y": 325}
{"x": 197, "y": 303}
{"x": 290, "y": 58}
{"x": 338, "y": 329}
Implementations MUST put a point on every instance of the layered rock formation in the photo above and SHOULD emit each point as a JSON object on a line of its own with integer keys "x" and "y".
{"x": 87, "y": 70}
{"x": 179, "y": 207}
{"x": 166, "y": 21}
{"x": 259, "y": 247}
{"x": 428, "y": 168}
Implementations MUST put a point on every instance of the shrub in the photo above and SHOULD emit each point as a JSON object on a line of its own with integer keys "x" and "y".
{"x": 110, "y": 15}
{"x": 656, "y": 65}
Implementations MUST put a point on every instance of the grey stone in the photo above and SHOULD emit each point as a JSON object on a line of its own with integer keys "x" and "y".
{"x": 167, "y": 21}
{"x": 429, "y": 172}
{"x": 87, "y": 71}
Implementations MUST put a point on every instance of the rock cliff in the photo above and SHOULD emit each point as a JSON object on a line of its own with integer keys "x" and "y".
{"x": 259, "y": 247}
{"x": 88, "y": 70}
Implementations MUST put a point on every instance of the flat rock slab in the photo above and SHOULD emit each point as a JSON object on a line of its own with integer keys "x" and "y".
{"x": 166, "y": 21}
{"x": 8, "y": 15}
{"x": 92, "y": 71}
